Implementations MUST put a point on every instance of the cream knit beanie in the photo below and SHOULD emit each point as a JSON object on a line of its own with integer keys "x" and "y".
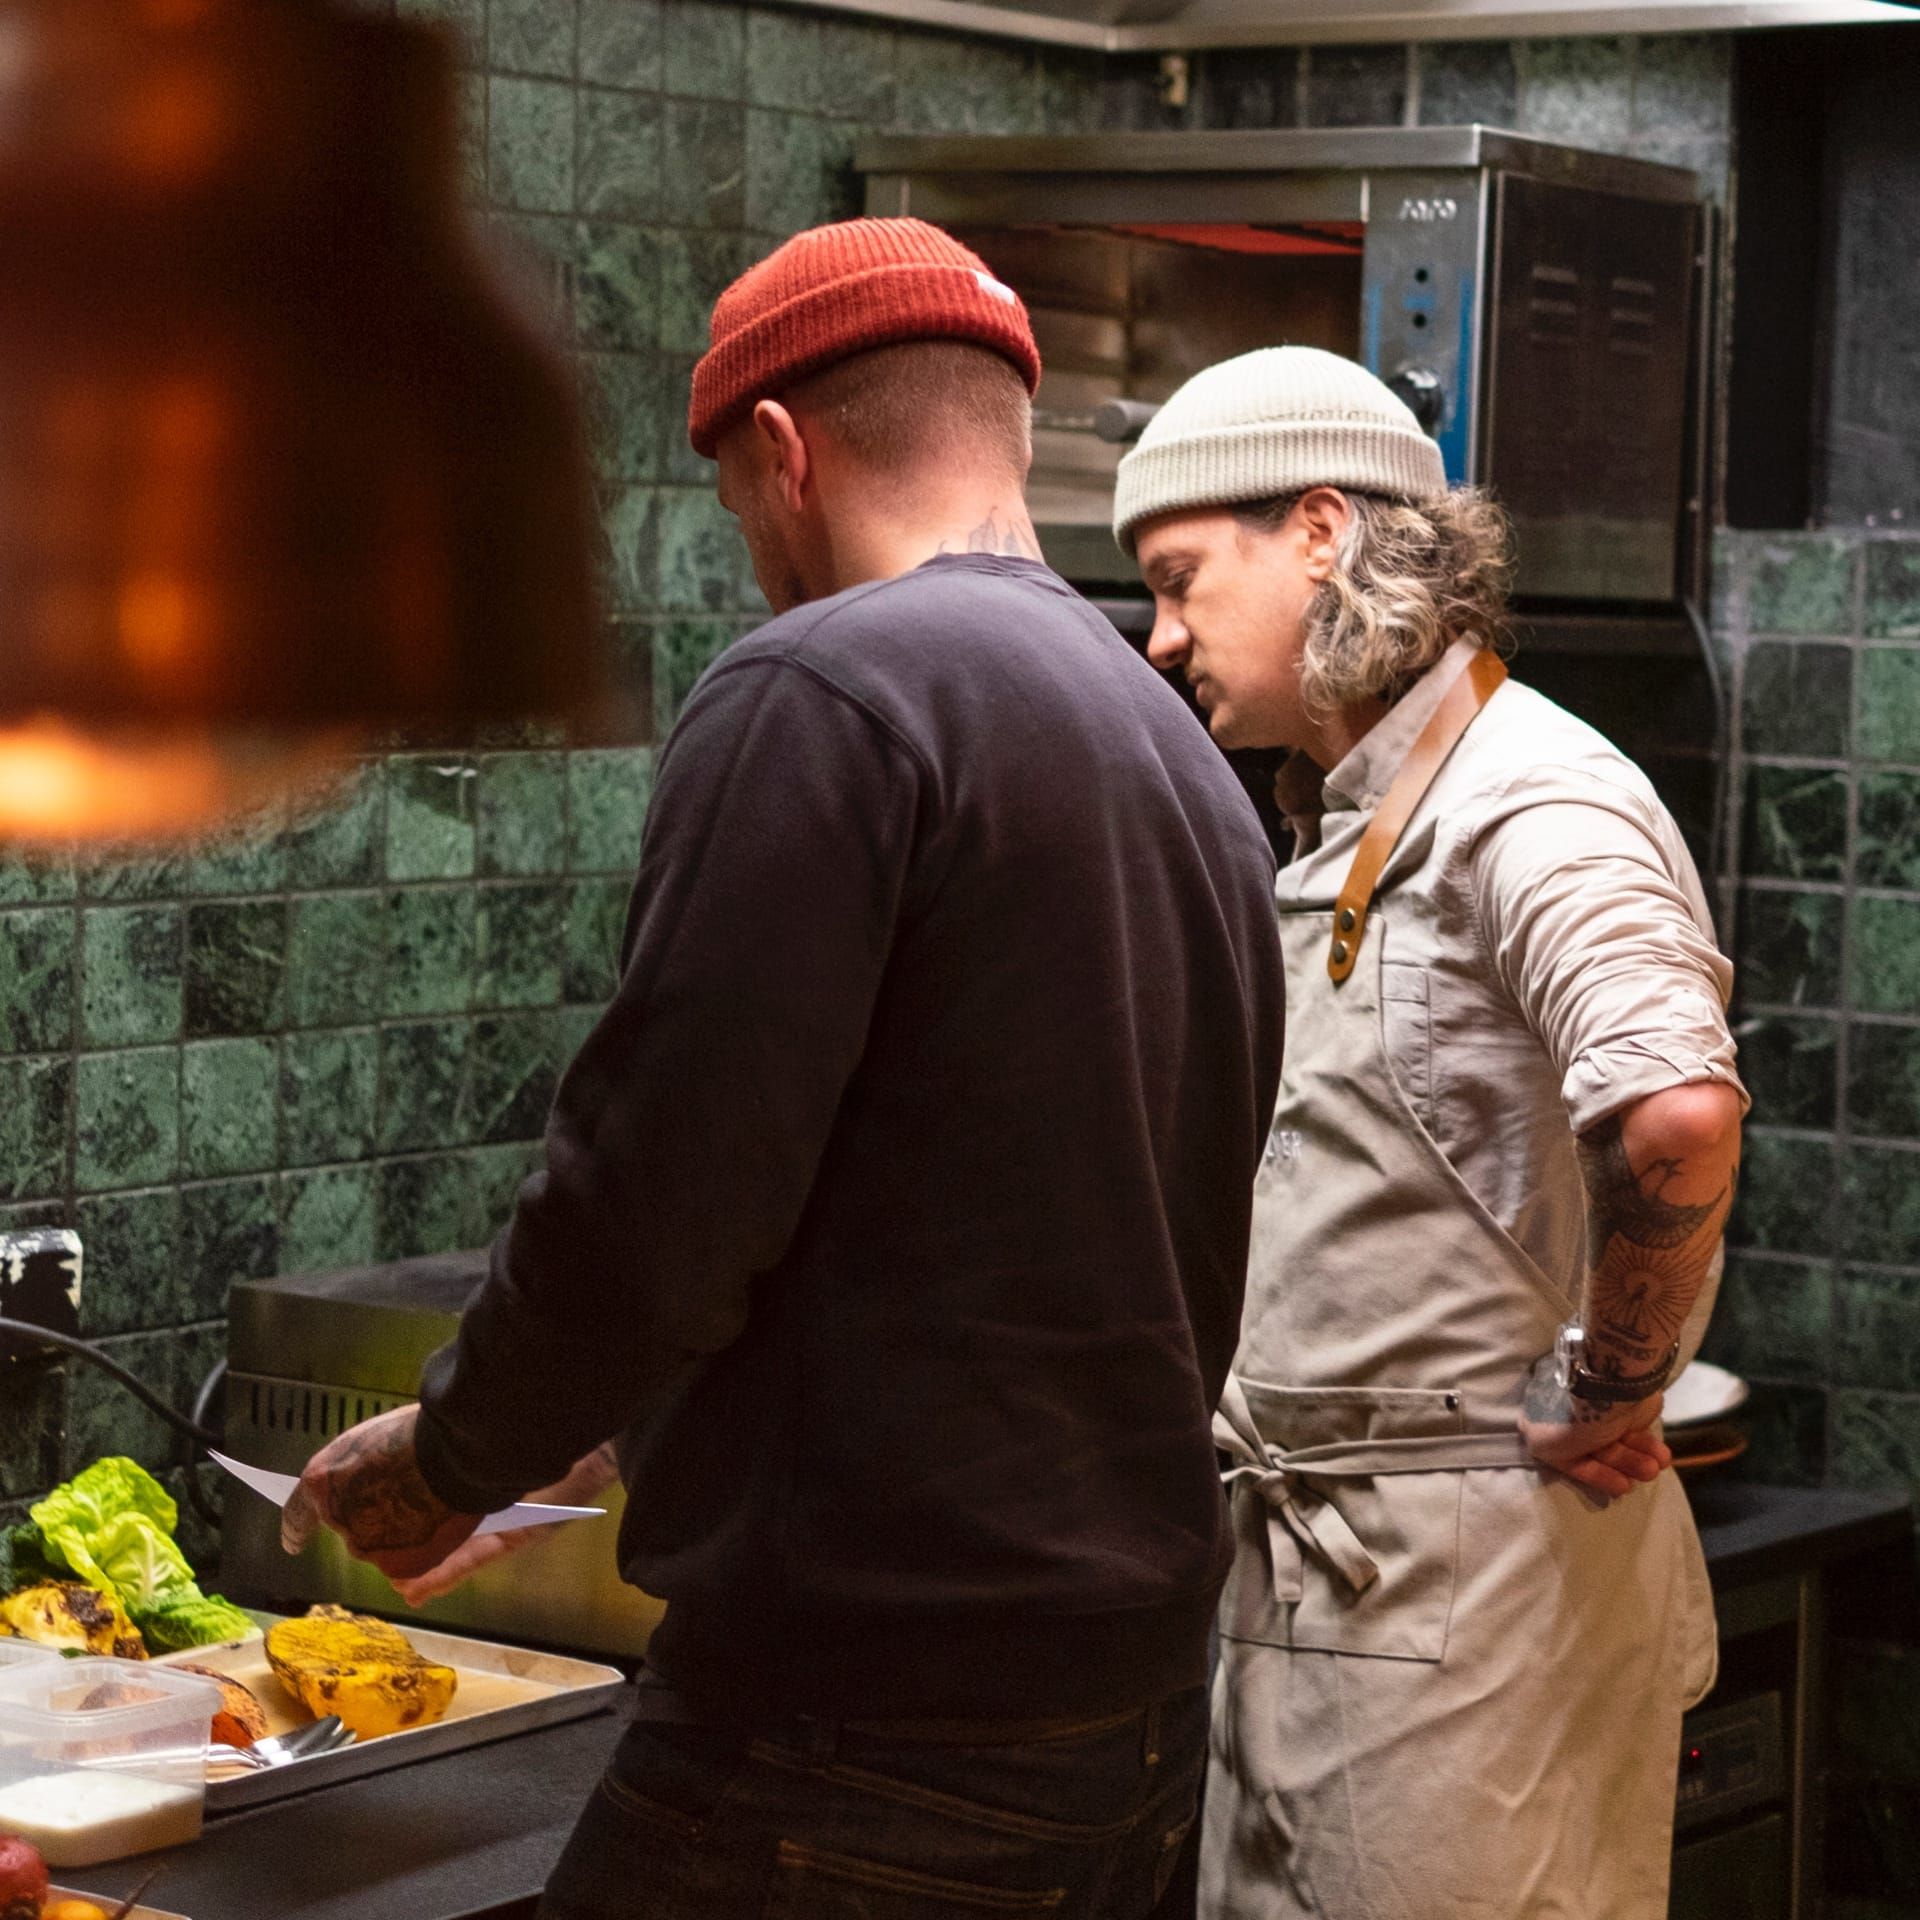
{"x": 1269, "y": 423}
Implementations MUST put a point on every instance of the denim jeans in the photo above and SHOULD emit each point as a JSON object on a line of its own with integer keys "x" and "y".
{"x": 1077, "y": 1820}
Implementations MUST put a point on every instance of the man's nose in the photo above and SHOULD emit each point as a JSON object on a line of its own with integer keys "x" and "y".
{"x": 1169, "y": 643}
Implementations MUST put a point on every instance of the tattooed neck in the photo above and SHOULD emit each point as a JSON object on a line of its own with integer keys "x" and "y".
{"x": 1009, "y": 534}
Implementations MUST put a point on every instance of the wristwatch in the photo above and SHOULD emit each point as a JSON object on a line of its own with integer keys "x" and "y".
{"x": 1571, "y": 1373}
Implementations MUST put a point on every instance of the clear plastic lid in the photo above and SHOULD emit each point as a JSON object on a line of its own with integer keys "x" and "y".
{"x": 20, "y": 1653}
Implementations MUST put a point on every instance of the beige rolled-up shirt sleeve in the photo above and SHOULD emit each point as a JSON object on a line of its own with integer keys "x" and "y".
{"x": 1599, "y": 931}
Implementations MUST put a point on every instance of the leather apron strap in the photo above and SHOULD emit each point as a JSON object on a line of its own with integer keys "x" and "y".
{"x": 1476, "y": 684}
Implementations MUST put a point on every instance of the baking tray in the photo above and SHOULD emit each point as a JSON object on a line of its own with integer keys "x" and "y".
{"x": 107, "y": 1902}
{"x": 503, "y": 1690}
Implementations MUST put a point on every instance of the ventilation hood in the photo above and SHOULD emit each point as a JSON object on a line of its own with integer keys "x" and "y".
{"x": 1168, "y": 26}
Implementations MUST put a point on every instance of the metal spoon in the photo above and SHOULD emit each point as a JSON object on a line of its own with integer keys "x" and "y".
{"x": 325, "y": 1735}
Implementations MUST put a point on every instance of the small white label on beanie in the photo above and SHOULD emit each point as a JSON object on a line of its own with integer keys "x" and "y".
{"x": 988, "y": 284}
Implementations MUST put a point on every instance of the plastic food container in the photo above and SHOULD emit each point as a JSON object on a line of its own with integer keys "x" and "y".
{"x": 20, "y": 1653}
{"x": 102, "y": 1758}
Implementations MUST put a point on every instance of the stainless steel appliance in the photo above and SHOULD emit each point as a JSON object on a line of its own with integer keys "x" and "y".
{"x": 309, "y": 1355}
{"x": 1540, "y": 307}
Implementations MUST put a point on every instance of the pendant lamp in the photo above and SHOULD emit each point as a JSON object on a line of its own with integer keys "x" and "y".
{"x": 280, "y": 465}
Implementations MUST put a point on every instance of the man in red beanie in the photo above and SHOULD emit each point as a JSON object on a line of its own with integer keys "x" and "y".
{"x": 895, "y": 1215}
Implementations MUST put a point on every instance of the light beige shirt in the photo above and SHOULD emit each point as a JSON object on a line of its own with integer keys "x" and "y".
{"x": 1549, "y": 956}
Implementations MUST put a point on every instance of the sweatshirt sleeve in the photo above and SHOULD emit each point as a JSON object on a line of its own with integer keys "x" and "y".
{"x": 685, "y": 1135}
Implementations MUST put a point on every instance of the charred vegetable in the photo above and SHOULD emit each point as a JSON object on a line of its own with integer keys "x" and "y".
{"x": 360, "y": 1668}
{"x": 241, "y": 1719}
{"x": 71, "y": 1615}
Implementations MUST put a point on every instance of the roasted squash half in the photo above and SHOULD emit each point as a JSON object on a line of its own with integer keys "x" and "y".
{"x": 362, "y": 1669}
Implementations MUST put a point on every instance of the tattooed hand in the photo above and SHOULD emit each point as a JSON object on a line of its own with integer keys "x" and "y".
{"x": 1607, "y": 1450}
{"x": 366, "y": 1485}
{"x": 581, "y": 1486}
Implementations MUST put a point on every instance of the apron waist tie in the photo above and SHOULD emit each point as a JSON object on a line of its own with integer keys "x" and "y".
{"x": 1302, "y": 1518}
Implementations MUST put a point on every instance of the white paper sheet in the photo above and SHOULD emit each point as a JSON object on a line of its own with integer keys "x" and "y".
{"x": 278, "y": 1487}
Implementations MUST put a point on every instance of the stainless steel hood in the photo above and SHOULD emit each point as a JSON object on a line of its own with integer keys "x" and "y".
{"x": 1168, "y": 26}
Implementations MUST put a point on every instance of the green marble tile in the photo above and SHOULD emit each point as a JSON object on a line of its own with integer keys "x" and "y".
{"x": 1252, "y": 89}
{"x": 1683, "y": 84}
{"x": 35, "y": 1098}
{"x": 430, "y": 1204}
{"x": 1071, "y": 92}
{"x": 430, "y": 812}
{"x": 950, "y": 84}
{"x": 499, "y": 1173}
{"x": 132, "y": 874}
{"x": 229, "y": 1107}
{"x": 249, "y": 857}
{"x": 608, "y": 792}
{"x": 1803, "y": 583}
{"x": 531, "y": 36}
{"x": 1797, "y": 699}
{"x": 1710, "y": 155}
{"x": 1360, "y": 86}
{"x": 1876, "y": 1329}
{"x": 522, "y": 931}
{"x": 131, "y": 991}
{"x": 430, "y": 950}
{"x": 133, "y": 1269}
{"x": 530, "y": 145}
{"x": 858, "y": 57}
{"x": 625, "y": 396}
{"x": 596, "y": 920}
{"x": 799, "y": 172}
{"x": 628, "y": 717}
{"x": 679, "y": 463}
{"x": 1796, "y": 824}
{"x": 621, "y": 43}
{"x": 426, "y": 1071}
{"x": 36, "y": 979}
{"x": 336, "y": 840}
{"x": 127, "y": 1119}
{"x": 616, "y": 287}
{"x": 1893, "y": 590}
{"x": 329, "y": 1087}
{"x": 576, "y": 1025}
{"x": 522, "y": 814}
{"x": 336, "y": 948}
{"x": 1772, "y": 1318}
{"x": 706, "y": 49}
{"x": 695, "y": 269}
{"x": 533, "y": 255}
{"x": 703, "y": 559}
{"x": 471, "y": 104}
{"x": 1876, "y": 1440}
{"x": 516, "y": 1066}
{"x": 38, "y": 877}
{"x": 1787, "y": 1435}
{"x": 682, "y": 651}
{"x": 786, "y": 61}
{"x": 703, "y": 163}
{"x": 1880, "y": 1188}
{"x": 1789, "y": 1066}
{"x": 1786, "y": 1195}
{"x": 1578, "y": 91}
{"x": 32, "y": 1413}
{"x": 1887, "y": 853}
{"x": 629, "y": 548}
{"x": 1886, "y": 955}
{"x": 1889, "y": 726}
{"x": 1788, "y": 950}
{"x": 328, "y": 1219}
{"x": 229, "y": 1230}
{"x": 104, "y": 1418}
{"x": 236, "y": 967}
{"x": 617, "y": 175}
{"x": 1883, "y": 1080}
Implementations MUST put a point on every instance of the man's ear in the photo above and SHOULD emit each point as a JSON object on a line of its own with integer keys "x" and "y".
{"x": 1324, "y": 514}
{"x": 785, "y": 451}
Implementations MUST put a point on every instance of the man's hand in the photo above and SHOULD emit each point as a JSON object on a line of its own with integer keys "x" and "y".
{"x": 585, "y": 1481}
{"x": 1607, "y": 1450}
{"x": 366, "y": 1485}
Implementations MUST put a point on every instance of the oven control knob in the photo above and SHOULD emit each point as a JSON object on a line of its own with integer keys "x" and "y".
{"x": 1420, "y": 388}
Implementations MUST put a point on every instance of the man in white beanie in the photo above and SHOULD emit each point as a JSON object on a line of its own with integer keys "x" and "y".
{"x": 1468, "y": 1607}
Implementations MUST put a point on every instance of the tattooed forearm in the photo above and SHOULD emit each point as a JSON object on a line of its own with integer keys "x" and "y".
{"x": 379, "y": 1499}
{"x": 1633, "y": 1205}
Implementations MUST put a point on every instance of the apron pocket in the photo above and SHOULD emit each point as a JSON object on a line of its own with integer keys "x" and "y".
{"x": 1338, "y": 1562}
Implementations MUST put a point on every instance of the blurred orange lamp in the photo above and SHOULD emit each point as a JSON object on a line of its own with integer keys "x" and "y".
{"x": 281, "y": 466}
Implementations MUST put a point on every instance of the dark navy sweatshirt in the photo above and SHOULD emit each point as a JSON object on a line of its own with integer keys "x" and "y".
{"x": 895, "y": 1215}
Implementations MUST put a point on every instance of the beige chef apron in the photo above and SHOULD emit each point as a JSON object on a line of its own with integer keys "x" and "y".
{"x": 1451, "y": 1682}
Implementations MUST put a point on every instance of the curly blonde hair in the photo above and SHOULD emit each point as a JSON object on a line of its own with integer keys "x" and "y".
{"x": 1408, "y": 580}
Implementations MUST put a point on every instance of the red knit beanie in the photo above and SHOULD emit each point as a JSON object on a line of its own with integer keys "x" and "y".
{"x": 839, "y": 290}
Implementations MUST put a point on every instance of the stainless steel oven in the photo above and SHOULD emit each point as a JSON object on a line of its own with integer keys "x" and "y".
{"x": 1540, "y": 308}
